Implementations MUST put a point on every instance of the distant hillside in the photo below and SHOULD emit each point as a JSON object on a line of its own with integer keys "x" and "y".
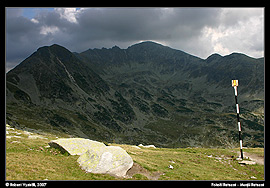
{"x": 147, "y": 93}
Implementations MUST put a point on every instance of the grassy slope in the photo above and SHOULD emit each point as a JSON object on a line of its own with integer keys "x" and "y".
{"x": 30, "y": 159}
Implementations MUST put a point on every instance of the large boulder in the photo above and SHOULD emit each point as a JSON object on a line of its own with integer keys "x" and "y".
{"x": 111, "y": 160}
{"x": 75, "y": 146}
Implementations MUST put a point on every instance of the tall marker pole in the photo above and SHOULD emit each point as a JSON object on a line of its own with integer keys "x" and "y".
{"x": 234, "y": 85}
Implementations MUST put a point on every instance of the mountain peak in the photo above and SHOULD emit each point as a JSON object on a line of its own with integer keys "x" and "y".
{"x": 58, "y": 47}
{"x": 116, "y": 48}
{"x": 58, "y": 50}
{"x": 146, "y": 44}
{"x": 213, "y": 57}
{"x": 53, "y": 47}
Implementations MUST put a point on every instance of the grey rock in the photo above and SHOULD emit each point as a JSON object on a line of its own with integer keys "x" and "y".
{"x": 111, "y": 160}
{"x": 75, "y": 146}
{"x": 36, "y": 136}
{"x": 147, "y": 146}
{"x": 247, "y": 162}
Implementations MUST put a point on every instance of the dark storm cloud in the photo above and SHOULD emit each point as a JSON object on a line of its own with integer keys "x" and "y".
{"x": 116, "y": 24}
{"x": 143, "y": 23}
{"x": 199, "y": 31}
{"x": 21, "y": 36}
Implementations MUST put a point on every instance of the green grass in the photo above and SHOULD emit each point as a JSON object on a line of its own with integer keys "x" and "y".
{"x": 194, "y": 163}
{"x": 31, "y": 159}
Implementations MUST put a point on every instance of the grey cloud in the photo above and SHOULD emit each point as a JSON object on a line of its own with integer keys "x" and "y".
{"x": 117, "y": 24}
{"x": 21, "y": 35}
{"x": 135, "y": 24}
{"x": 13, "y": 12}
{"x": 181, "y": 28}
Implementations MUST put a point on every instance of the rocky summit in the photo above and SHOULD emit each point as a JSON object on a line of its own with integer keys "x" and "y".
{"x": 145, "y": 94}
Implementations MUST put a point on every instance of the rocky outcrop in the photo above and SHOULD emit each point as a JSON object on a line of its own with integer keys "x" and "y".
{"x": 111, "y": 160}
{"x": 148, "y": 146}
{"x": 75, "y": 146}
{"x": 96, "y": 157}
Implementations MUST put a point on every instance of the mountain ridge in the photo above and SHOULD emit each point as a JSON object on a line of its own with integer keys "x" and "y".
{"x": 147, "y": 93}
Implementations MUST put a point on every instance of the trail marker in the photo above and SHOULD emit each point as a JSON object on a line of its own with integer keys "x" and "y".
{"x": 234, "y": 85}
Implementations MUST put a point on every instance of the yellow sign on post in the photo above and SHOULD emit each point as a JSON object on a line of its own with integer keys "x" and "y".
{"x": 234, "y": 83}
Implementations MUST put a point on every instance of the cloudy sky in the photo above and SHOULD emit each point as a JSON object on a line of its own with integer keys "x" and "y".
{"x": 198, "y": 31}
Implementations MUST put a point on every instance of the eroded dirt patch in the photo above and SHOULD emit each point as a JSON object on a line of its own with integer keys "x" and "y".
{"x": 138, "y": 169}
{"x": 256, "y": 158}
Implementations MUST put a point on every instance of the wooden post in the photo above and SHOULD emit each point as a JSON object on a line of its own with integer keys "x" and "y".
{"x": 234, "y": 85}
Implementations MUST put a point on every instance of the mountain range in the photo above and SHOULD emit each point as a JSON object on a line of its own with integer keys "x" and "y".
{"x": 147, "y": 93}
